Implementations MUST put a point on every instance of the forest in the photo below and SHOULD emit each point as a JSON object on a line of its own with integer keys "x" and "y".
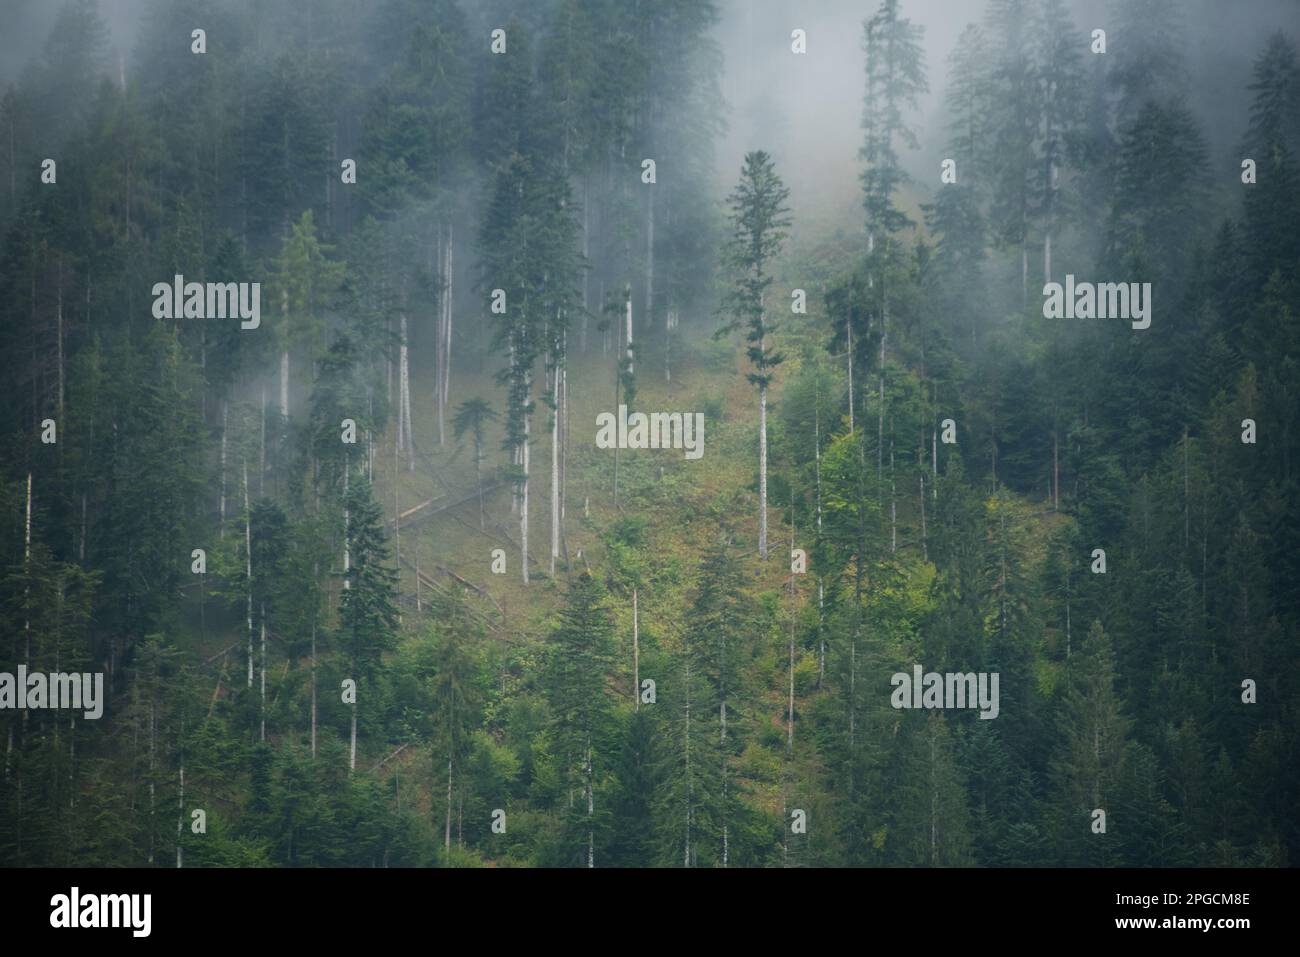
{"x": 650, "y": 433}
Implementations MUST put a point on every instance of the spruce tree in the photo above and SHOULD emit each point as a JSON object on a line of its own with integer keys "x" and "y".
{"x": 759, "y": 223}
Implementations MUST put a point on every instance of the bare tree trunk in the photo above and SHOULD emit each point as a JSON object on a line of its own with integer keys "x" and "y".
{"x": 670, "y": 323}
{"x": 586, "y": 276}
{"x": 261, "y": 450}
{"x": 1024, "y": 273}
{"x": 636, "y": 653}
{"x": 27, "y": 571}
{"x": 591, "y": 810}
{"x": 263, "y": 623}
{"x": 405, "y": 441}
{"x": 650, "y": 259}
{"x": 880, "y": 421}
{"x": 347, "y": 554}
{"x": 284, "y": 383}
{"x": 397, "y": 513}
{"x": 689, "y": 783}
{"x": 222, "y": 498}
{"x": 446, "y": 835}
{"x": 564, "y": 448}
{"x": 248, "y": 569}
{"x": 313, "y": 683}
{"x": 618, "y": 384}
{"x": 631, "y": 365}
{"x": 1056, "y": 474}
{"x": 1187, "y": 502}
{"x": 59, "y": 332}
{"x": 152, "y": 753}
{"x": 789, "y": 712}
{"x": 762, "y": 470}
{"x": 555, "y": 464}
{"x": 849, "y": 328}
{"x": 352, "y": 752}
{"x": 449, "y": 303}
{"x": 925, "y": 551}
{"x": 893, "y": 499}
{"x": 821, "y": 591}
{"x": 180, "y": 819}
{"x": 478, "y": 475}
{"x": 523, "y": 502}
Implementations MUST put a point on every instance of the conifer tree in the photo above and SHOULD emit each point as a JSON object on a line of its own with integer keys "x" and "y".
{"x": 367, "y": 608}
{"x": 581, "y": 708}
{"x": 759, "y": 223}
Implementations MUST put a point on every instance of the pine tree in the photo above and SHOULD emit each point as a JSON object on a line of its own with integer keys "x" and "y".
{"x": 1014, "y": 125}
{"x": 759, "y": 221}
{"x": 305, "y": 280}
{"x": 455, "y": 693}
{"x": 581, "y": 709}
{"x": 1086, "y": 769}
{"x": 719, "y": 616}
{"x": 367, "y": 609}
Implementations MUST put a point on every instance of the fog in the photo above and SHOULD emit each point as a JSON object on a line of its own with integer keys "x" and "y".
{"x": 806, "y": 109}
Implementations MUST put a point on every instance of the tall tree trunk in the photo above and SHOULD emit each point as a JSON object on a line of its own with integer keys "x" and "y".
{"x": 152, "y": 755}
{"x": 586, "y": 275}
{"x": 636, "y": 653}
{"x": 248, "y": 570}
{"x": 848, "y": 326}
{"x": 222, "y": 497}
{"x": 670, "y": 323}
{"x": 284, "y": 383}
{"x": 925, "y": 550}
{"x": 618, "y": 384}
{"x": 631, "y": 364}
{"x": 821, "y": 592}
{"x": 1056, "y": 473}
{"x": 762, "y": 470}
{"x": 263, "y": 712}
{"x": 405, "y": 440}
{"x": 650, "y": 259}
{"x": 449, "y": 302}
{"x": 397, "y": 514}
{"x": 1187, "y": 501}
{"x": 446, "y": 834}
{"x": 478, "y": 474}
{"x": 1024, "y": 270}
{"x": 315, "y": 575}
{"x": 27, "y": 577}
{"x": 180, "y": 819}
{"x": 352, "y": 750}
{"x": 523, "y": 502}
{"x": 690, "y": 789}
{"x": 591, "y": 809}
{"x": 347, "y": 518}
{"x": 564, "y": 449}
{"x": 555, "y": 462}
{"x": 58, "y": 312}
{"x": 789, "y": 712}
{"x": 261, "y": 449}
{"x": 880, "y": 420}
